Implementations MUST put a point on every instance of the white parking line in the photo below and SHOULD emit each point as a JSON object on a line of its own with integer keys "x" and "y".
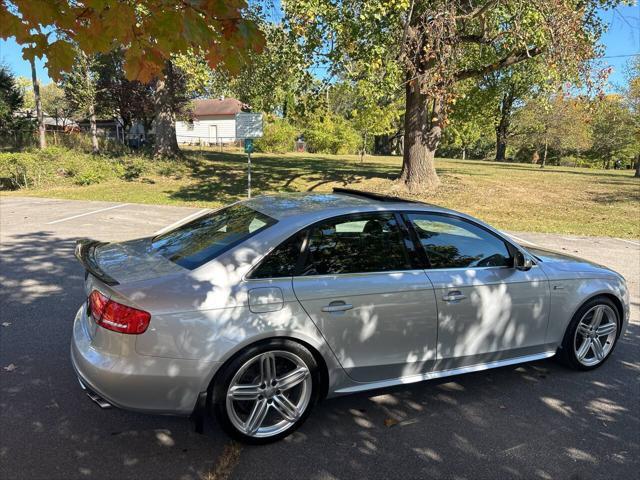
{"x": 87, "y": 213}
{"x": 521, "y": 239}
{"x": 182, "y": 220}
{"x": 629, "y": 241}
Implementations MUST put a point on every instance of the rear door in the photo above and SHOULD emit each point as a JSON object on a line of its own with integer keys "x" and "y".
{"x": 487, "y": 309}
{"x": 374, "y": 305}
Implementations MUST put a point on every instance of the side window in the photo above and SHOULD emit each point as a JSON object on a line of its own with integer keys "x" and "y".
{"x": 281, "y": 261}
{"x": 455, "y": 243}
{"x": 356, "y": 244}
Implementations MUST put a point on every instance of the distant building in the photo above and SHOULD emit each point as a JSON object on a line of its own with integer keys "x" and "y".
{"x": 51, "y": 122}
{"x": 110, "y": 128}
{"x": 213, "y": 122}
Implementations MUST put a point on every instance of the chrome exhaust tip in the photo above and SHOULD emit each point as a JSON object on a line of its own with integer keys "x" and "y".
{"x": 101, "y": 402}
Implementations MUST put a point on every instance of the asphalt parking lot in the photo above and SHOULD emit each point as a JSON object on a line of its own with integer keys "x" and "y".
{"x": 533, "y": 421}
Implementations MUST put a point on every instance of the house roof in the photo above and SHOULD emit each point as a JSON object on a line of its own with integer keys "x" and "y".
{"x": 217, "y": 106}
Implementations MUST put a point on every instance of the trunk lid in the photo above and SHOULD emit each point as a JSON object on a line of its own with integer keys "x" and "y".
{"x": 124, "y": 262}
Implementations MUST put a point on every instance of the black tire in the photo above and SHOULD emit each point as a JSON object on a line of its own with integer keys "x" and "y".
{"x": 567, "y": 354}
{"x": 218, "y": 389}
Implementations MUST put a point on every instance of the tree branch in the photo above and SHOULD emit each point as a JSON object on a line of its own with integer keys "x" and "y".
{"x": 473, "y": 39}
{"x": 507, "y": 61}
{"x": 405, "y": 29}
{"x": 479, "y": 11}
{"x": 481, "y": 39}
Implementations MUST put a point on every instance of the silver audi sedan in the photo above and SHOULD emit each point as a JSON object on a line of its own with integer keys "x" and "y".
{"x": 256, "y": 311}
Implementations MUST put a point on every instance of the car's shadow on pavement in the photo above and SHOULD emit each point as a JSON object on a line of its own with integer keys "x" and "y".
{"x": 537, "y": 420}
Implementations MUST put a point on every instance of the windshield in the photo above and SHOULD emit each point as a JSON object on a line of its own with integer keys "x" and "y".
{"x": 195, "y": 243}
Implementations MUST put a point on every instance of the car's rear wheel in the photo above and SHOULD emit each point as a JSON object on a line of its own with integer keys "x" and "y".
{"x": 267, "y": 391}
{"x": 591, "y": 335}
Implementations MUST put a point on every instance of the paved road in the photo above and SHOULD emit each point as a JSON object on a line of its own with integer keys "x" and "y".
{"x": 534, "y": 421}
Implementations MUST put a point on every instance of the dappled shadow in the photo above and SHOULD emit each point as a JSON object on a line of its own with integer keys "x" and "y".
{"x": 43, "y": 409}
{"x": 223, "y": 176}
{"x": 532, "y": 421}
{"x": 630, "y": 195}
{"x": 553, "y": 169}
{"x": 536, "y": 420}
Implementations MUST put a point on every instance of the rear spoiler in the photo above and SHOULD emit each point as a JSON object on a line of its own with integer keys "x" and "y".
{"x": 85, "y": 253}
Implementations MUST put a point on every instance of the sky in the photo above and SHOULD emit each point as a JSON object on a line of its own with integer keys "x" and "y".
{"x": 621, "y": 41}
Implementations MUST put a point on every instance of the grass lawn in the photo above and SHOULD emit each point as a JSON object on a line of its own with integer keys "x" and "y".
{"x": 518, "y": 197}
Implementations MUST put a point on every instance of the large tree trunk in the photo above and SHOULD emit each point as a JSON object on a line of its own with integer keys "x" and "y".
{"x": 421, "y": 138}
{"x": 637, "y": 166}
{"x": 166, "y": 143}
{"x": 502, "y": 129}
{"x": 42, "y": 136}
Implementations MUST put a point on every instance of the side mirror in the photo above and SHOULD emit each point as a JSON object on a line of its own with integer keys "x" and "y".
{"x": 522, "y": 262}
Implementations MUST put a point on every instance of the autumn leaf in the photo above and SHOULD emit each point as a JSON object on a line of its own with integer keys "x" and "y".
{"x": 150, "y": 31}
{"x": 61, "y": 58}
{"x": 390, "y": 422}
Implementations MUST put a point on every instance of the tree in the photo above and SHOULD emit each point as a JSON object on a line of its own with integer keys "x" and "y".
{"x": 129, "y": 100}
{"x": 271, "y": 80}
{"x": 471, "y": 119}
{"x": 54, "y": 103}
{"x": 80, "y": 92}
{"x": 42, "y": 133}
{"x": 167, "y": 101}
{"x": 11, "y": 100}
{"x": 553, "y": 123}
{"x": 371, "y": 114}
{"x": 632, "y": 100}
{"x": 151, "y": 32}
{"x": 437, "y": 44}
{"x": 614, "y": 132}
{"x": 503, "y": 90}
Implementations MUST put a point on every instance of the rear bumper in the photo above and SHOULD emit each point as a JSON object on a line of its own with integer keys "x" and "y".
{"x": 134, "y": 382}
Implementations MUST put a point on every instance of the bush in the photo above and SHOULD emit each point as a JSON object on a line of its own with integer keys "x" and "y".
{"x": 57, "y": 166}
{"x": 24, "y": 170}
{"x": 133, "y": 169}
{"x": 279, "y": 137}
{"x": 89, "y": 177}
{"x": 331, "y": 134}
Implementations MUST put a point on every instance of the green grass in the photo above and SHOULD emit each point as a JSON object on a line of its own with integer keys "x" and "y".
{"x": 518, "y": 197}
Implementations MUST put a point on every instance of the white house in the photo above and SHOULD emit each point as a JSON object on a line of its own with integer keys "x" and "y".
{"x": 214, "y": 122}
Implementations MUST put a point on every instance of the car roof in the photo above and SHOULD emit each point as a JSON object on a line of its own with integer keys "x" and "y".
{"x": 341, "y": 201}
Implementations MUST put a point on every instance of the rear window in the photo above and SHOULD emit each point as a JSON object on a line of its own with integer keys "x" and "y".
{"x": 195, "y": 243}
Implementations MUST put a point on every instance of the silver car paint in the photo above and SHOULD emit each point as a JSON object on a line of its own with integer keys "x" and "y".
{"x": 390, "y": 332}
{"x": 504, "y": 315}
{"x": 201, "y": 318}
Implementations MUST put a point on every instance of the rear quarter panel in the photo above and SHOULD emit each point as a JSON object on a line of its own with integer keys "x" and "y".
{"x": 216, "y": 334}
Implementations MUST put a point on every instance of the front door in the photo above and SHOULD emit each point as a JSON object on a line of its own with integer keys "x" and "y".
{"x": 487, "y": 310}
{"x": 375, "y": 307}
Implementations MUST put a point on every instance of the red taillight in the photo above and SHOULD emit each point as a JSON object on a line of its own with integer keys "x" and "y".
{"x": 117, "y": 317}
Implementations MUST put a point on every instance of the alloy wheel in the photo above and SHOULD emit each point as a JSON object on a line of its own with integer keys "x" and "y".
{"x": 269, "y": 393}
{"x": 595, "y": 335}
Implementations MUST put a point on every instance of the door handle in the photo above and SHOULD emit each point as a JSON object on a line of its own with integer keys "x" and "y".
{"x": 454, "y": 296}
{"x": 337, "y": 306}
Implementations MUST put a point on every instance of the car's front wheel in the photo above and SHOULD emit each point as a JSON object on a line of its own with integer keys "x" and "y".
{"x": 267, "y": 391}
{"x": 592, "y": 334}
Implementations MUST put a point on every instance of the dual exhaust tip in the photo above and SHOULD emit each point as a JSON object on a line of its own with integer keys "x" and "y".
{"x": 101, "y": 402}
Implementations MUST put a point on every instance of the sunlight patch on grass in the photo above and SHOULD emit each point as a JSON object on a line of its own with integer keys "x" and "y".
{"x": 519, "y": 197}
